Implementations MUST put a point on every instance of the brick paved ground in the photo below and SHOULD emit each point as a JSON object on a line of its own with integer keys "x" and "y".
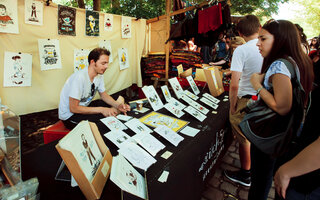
{"x": 220, "y": 188}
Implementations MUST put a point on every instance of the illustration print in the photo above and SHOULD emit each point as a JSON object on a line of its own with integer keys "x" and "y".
{"x": 9, "y": 16}
{"x": 92, "y": 23}
{"x": 66, "y": 20}
{"x": 34, "y": 12}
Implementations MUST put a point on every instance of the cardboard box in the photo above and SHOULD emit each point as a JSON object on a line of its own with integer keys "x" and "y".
{"x": 214, "y": 81}
{"x": 91, "y": 189}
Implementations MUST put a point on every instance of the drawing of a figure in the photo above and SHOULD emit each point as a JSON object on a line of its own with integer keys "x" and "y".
{"x": 34, "y": 10}
{"x": 86, "y": 146}
{"x": 132, "y": 178}
{"x": 4, "y": 17}
{"x": 50, "y": 54}
{"x": 126, "y": 30}
{"x": 18, "y": 76}
{"x": 82, "y": 62}
{"x": 108, "y": 23}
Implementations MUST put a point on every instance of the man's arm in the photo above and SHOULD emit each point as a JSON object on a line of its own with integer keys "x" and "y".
{"x": 109, "y": 100}
{"x": 76, "y": 108}
{"x": 233, "y": 91}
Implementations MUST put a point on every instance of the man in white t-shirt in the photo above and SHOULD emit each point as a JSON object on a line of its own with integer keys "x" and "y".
{"x": 246, "y": 60}
{"x": 80, "y": 88}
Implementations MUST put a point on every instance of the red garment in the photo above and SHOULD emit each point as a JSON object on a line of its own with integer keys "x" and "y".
{"x": 209, "y": 19}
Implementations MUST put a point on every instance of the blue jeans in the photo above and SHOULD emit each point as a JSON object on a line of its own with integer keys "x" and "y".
{"x": 292, "y": 194}
{"x": 262, "y": 166}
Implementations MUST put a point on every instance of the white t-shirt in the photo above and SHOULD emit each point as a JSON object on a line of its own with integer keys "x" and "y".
{"x": 248, "y": 60}
{"x": 78, "y": 86}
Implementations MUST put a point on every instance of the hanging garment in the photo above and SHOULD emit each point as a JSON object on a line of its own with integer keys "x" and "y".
{"x": 210, "y": 19}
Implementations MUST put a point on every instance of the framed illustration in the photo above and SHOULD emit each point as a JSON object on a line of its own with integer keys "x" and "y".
{"x": 66, "y": 20}
{"x": 92, "y": 23}
{"x": 155, "y": 119}
{"x": 33, "y": 12}
{"x": 17, "y": 69}
{"x": 80, "y": 59}
{"x": 9, "y": 16}
{"x": 106, "y": 44}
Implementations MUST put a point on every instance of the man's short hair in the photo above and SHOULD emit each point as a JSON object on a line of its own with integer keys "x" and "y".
{"x": 249, "y": 25}
{"x": 96, "y": 53}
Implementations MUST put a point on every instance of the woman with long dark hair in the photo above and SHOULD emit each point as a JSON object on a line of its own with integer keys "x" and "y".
{"x": 277, "y": 40}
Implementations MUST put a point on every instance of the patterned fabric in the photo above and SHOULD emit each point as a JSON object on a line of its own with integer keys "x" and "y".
{"x": 277, "y": 67}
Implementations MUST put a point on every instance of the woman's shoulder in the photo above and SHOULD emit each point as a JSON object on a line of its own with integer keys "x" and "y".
{"x": 279, "y": 67}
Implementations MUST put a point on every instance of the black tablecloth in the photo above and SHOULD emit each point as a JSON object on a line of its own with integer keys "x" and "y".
{"x": 193, "y": 161}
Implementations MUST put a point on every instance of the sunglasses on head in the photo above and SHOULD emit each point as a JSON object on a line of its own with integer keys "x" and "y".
{"x": 93, "y": 87}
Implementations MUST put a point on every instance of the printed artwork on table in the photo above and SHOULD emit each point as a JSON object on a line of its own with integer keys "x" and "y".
{"x": 108, "y": 22}
{"x": 82, "y": 144}
{"x": 49, "y": 52}
{"x": 33, "y": 12}
{"x": 166, "y": 92}
{"x": 92, "y": 23}
{"x": 66, "y": 20}
{"x": 9, "y": 16}
{"x": 113, "y": 123}
{"x": 123, "y": 58}
{"x": 80, "y": 59}
{"x": 17, "y": 69}
{"x": 152, "y": 97}
{"x": 155, "y": 119}
{"x": 106, "y": 44}
{"x": 117, "y": 137}
{"x": 126, "y": 27}
{"x": 193, "y": 85}
{"x": 176, "y": 87}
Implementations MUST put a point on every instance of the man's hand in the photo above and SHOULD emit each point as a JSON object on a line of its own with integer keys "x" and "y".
{"x": 124, "y": 108}
{"x": 108, "y": 111}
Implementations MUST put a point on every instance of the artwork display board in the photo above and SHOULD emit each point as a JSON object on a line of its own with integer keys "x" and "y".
{"x": 87, "y": 158}
{"x": 155, "y": 119}
{"x": 9, "y": 16}
{"x": 33, "y": 12}
{"x": 17, "y": 69}
{"x": 66, "y": 20}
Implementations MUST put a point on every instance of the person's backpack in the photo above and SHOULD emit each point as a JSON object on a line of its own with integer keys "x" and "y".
{"x": 269, "y": 131}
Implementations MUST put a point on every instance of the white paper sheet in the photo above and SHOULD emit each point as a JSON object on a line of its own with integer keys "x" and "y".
{"x": 124, "y": 117}
{"x": 176, "y": 87}
{"x": 196, "y": 105}
{"x": 123, "y": 58}
{"x": 17, "y": 69}
{"x": 189, "y": 131}
{"x": 136, "y": 155}
{"x": 166, "y": 92}
{"x": 211, "y": 98}
{"x": 82, "y": 144}
{"x": 166, "y": 154}
{"x": 126, "y": 27}
{"x": 174, "y": 110}
{"x": 152, "y": 97}
{"x": 193, "y": 85}
{"x": 149, "y": 143}
{"x": 177, "y": 104}
{"x": 33, "y": 12}
{"x": 209, "y": 103}
{"x": 9, "y": 17}
{"x": 108, "y": 22}
{"x": 106, "y": 44}
{"x": 80, "y": 59}
{"x": 113, "y": 123}
{"x": 195, "y": 113}
{"x": 49, "y": 52}
{"x": 190, "y": 95}
{"x": 117, "y": 137}
{"x": 138, "y": 127}
{"x": 168, "y": 134}
{"x": 127, "y": 178}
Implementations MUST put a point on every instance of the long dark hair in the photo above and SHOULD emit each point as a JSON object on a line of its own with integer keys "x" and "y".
{"x": 287, "y": 43}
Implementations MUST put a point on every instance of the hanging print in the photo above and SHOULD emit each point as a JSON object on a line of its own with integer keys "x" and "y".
{"x": 9, "y": 16}
{"x": 66, "y": 20}
{"x": 17, "y": 69}
{"x": 33, "y": 12}
{"x": 49, "y": 52}
{"x": 92, "y": 23}
{"x": 123, "y": 58}
{"x": 126, "y": 27}
{"x": 80, "y": 59}
{"x": 106, "y": 44}
{"x": 108, "y": 22}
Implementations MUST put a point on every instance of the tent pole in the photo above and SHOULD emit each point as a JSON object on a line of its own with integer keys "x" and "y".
{"x": 167, "y": 46}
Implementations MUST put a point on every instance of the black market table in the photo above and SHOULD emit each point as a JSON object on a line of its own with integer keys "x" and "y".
{"x": 192, "y": 163}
